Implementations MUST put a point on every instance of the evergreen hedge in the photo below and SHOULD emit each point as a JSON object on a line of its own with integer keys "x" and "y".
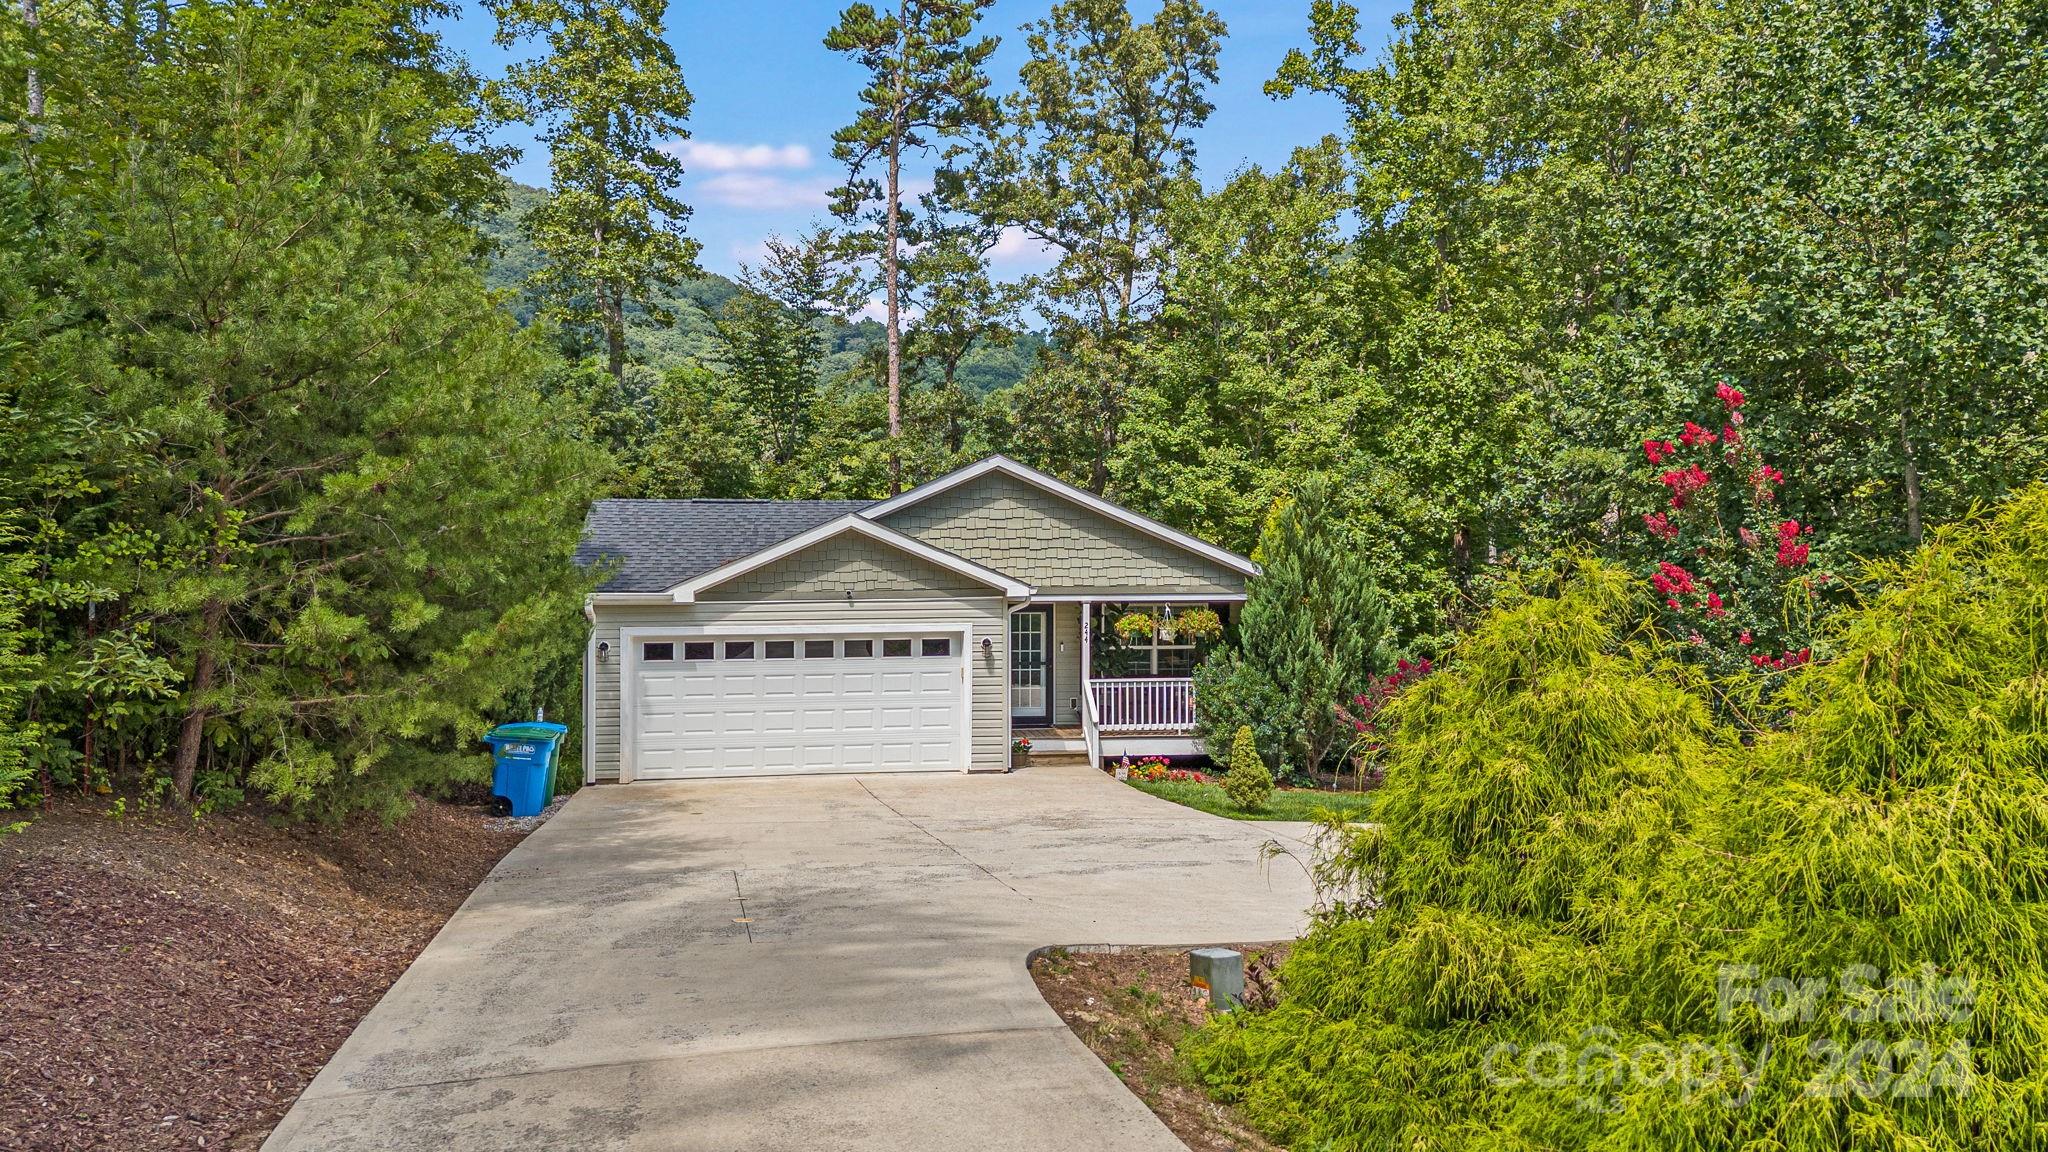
{"x": 1591, "y": 919}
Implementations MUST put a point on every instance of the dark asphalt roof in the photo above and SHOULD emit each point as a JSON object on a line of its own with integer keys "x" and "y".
{"x": 655, "y": 545}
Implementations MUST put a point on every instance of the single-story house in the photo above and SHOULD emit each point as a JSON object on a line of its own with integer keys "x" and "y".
{"x": 926, "y": 632}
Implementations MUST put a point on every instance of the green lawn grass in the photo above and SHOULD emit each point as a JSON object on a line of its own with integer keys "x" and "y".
{"x": 1286, "y": 804}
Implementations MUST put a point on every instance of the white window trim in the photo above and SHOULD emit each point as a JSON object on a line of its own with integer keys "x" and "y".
{"x": 686, "y": 592}
{"x": 1089, "y": 500}
{"x": 630, "y": 640}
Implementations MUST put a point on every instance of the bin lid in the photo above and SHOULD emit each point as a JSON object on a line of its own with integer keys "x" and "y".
{"x": 530, "y": 730}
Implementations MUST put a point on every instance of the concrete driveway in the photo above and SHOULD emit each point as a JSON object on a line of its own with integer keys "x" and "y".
{"x": 806, "y": 963}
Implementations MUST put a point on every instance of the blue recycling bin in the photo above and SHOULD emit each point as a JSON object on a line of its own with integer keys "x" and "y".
{"x": 524, "y": 772}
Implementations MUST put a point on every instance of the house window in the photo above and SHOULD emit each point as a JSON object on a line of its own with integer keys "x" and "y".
{"x": 1163, "y": 653}
{"x": 895, "y": 647}
{"x": 939, "y": 646}
{"x": 817, "y": 649}
{"x": 860, "y": 648}
{"x": 661, "y": 651}
{"x": 780, "y": 649}
{"x": 739, "y": 649}
{"x": 698, "y": 649}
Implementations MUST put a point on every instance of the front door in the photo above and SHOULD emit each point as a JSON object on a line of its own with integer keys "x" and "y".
{"x": 1031, "y": 667}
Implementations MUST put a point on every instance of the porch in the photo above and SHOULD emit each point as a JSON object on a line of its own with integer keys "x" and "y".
{"x": 1076, "y": 686}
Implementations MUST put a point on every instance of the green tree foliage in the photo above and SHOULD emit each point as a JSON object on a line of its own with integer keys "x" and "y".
{"x": 1248, "y": 784}
{"x": 1854, "y": 224}
{"x": 925, "y": 84}
{"x": 962, "y": 310}
{"x": 772, "y": 334}
{"x": 1312, "y": 634}
{"x": 1097, "y": 134}
{"x": 609, "y": 98}
{"x": 704, "y": 440}
{"x": 320, "y": 525}
{"x": 1825, "y": 937}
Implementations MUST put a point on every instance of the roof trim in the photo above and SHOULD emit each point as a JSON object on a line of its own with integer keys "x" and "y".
{"x": 686, "y": 592}
{"x": 1089, "y": 500}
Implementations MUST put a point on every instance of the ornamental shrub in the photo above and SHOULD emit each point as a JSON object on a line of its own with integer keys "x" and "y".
{"x": 1313, "y": 632}
{"x": 1594, "y": 920}
{"x": 1248, "y": 784}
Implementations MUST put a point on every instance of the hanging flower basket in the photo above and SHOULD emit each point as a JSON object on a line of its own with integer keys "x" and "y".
{"x": 1135, "y": 626}
{"x": 1198, "y": 624}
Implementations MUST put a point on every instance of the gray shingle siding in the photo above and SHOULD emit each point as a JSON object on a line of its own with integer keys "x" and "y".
{"x": 1064, "y": 549}
{"x": 847, "y": 563}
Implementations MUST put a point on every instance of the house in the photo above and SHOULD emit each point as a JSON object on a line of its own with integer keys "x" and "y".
{"x": 926, "y": 632}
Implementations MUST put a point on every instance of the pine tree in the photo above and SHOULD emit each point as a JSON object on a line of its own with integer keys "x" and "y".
{"x": 360, "y": 510}
{"x": 925, "y": 85}
{"x": 1312, "y": 633}
{"x": 611, "y": 101}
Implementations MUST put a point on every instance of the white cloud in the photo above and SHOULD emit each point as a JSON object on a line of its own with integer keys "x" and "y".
{"x": 715, "y": 156}
{"x": 764, "y": 193}
{"x": 1016, "y": 246}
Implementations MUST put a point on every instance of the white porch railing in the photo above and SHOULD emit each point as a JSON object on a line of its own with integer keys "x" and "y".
{"x": 1144, "y": 704}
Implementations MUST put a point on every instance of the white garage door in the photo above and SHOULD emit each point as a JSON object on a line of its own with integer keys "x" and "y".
{"x": 768, "y": 705}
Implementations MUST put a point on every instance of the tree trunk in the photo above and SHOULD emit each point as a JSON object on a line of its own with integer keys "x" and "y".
{"x": 1912, "y": 481}
{"x": 32, "y": 19}
{"x": 954, "y": 436}
{"x": 1461, "y": 555}
{"x": 192, "y": 732}
{"x": 614, "y": 333}
{"x": 889, "y": 262}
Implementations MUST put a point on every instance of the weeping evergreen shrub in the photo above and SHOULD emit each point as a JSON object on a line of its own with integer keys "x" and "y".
{"x": 1533, "y": 785}
{"x": 1591, "y": 921}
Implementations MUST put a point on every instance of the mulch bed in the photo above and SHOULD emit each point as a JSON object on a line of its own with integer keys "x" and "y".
{"x": 168, "y": 982}
{"x": 1131, "y": 1006}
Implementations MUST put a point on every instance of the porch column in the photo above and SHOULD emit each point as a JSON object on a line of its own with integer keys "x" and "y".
{"x": 1087, "y": 666}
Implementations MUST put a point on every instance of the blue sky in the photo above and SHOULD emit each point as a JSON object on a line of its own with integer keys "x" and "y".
{"x": 769, "y": 96}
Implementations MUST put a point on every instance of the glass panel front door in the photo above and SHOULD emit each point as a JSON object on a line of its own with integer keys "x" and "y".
{"x": 1030, "y": 670}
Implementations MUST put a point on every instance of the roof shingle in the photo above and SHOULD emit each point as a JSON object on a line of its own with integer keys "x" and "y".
{"x": 654, "y": 545}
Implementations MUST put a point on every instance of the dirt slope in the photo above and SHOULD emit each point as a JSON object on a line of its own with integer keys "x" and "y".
{"x": 171, "y": 983}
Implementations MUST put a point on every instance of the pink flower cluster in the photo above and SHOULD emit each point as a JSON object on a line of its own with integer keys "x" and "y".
{"x": 1660, "y": 526}
{"x": 1367, "y": 704}
{"x": 1683, "y": 482}
{"x": 1152, "y": 769}
{"x": 1791, "y": 550}
{"x": 1672, "y": 580}
{"x": 1779, "y": 663}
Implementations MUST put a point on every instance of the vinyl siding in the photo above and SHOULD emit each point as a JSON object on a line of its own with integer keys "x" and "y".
{"x": 1063, "y": 548}
{"x": 990, "y": 749}
{"x": 846, "y": 563}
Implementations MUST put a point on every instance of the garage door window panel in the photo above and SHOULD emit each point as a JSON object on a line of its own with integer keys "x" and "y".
{"x": 698, "y": 649}
{"x": 739, "y": 649}
{"x": 817, "y": 649}
{"x": 658, "y": 651}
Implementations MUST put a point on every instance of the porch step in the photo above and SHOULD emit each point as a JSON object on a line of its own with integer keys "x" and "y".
{"x": 1053, "y": 760}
